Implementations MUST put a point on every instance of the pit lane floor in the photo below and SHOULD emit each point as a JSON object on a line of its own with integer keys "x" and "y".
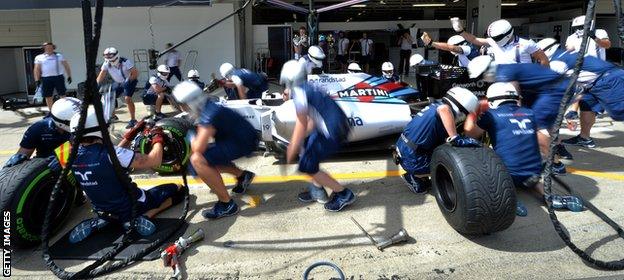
{"x": 277, "y": 237}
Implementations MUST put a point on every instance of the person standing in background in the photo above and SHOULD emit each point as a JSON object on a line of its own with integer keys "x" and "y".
{"x": 301, "y": 43}
{"x": 343, "y": 51}
{"x": 405, "y": 42}
{"x": 49, "y": 74}
{"x": 366, "y": 51}
{"x": 173, "y": 60}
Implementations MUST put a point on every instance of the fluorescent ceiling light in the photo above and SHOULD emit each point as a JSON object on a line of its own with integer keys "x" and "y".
{"x": 509, "y": 4}
{"x": 358, "y": 6}
{"x": 428, "y": 5}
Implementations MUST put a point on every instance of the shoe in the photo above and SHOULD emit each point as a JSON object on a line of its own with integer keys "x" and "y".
{"x": 571, "y": 115}
{"x": 521, "y": 210}
{"x": 85, "y": 228}
{"x": 159, "y": 116}
{"x": 415, "y": 184}
{"x": 313, "y": 193}
{"x": 243, "y": 181}
{"x": 340, "y": 200}
{"x": 559, "y": 168}
{"x": 562, "y": 152}
{"x": 580, "y": 141}
{"x": 131, "y": 124}
{"x": 601, "y": 116}
{"x": 142, "y": 225}
{"x": 221, "y": 209}
{"x": 569, "y": 202}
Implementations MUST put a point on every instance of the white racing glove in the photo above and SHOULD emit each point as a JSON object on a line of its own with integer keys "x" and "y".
{"x": 457, "y": 24}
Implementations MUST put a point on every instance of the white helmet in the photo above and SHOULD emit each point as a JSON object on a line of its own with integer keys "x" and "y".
{"x": 387, "y": 69}
{"x": 501, "y": 31}
{"x": 111, "y": 56}
{"x": 416, "y": 59}
{"x": 190, "y": 94}
{"x": 461, "y": 100}
{"x": 549, "y": 46}
{"x": 193, "y": 74}
{"x": 293, "y": 74}
{"x": 480, "y": 65}
{"x": 63, "y": 110}
{"x": 91, "y": 127}
{"x": 354, "y": 68}
{"x": 226, "y": 70}
{"x": 498, "y": 93}
{"x": 580, "y": 22}
{"x": 163, "y": 71}
{"x": 316, "y": 55}
{"x": 456, "y": 40}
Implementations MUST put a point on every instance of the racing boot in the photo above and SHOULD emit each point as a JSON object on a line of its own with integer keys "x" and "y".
{"x": 85, "y": 228}
{"x": 562, "y": 152}
{"x": 569, "y": 202}
{"x": 131, "y": 124}
{"x": 416, "y": 184}
{"x": 243, "y": 181}
{"x": 313, "y": 193}
{"x": 558, "y": 168}
{"x": 521, "y": 210}
{"x": 143, "y": 226}
{"x": 221, "y": 209}
{"x": 340, "y": 200}
{"x": 580, "y": 141}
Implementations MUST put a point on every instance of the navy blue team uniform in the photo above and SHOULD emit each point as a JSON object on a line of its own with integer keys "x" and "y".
{"x": 512, "y": 130}
{"x": 44, "y": 137}
{"x": 199, "y": 83}
{"x": 234, "y": 138}
{"x": 94, "y": 171}
{"x": 395, "y": 78}
{"x": 255, "y": 82}
{"x": 420, "y": 137}
{"x": 331, "y": 127}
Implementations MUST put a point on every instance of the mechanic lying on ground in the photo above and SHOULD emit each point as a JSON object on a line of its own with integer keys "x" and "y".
{"x": 241, "y": 83}
{"x": 234, "y": 137}
{"x": 456, "y": 45}
{"x": 431, "y": 127}
{"x": 512, "y": 130}
{"x": 109, "y": 197}
{"x": 45, "y": 135}
{"x": 321, "y": 128}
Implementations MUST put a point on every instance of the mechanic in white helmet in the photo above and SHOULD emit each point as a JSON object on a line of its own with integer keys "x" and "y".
{"x": 456, "y": 45}
{"x": 387, "y": 71}
{"x": 156, "y": 89}
{"x": 125, "y": 78}
{"x": 222, "y": 137}
{"x": 49, "y": 74}
{"x": 598, "y": 43}
{"x": 433, "y": 126}
{"x": 320, "y": 129}
{"x": 354, "y": 68}
{"x": 512, "y": 130}
{"x": 541, "y": 88}
{"x": 241, "y": 83}
{"x": 45, "y": 135}
{"x": 109, "y": 198}
{"x": 193, "y": 76}
{"x": 313, "y": 60}
{"x": 515, "y": 49}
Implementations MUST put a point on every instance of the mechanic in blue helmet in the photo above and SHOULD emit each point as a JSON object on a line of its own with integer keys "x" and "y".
{"x": 313, "y": 60}
{"x": 512, "y": 130}
{"x": 241, "y": 83}
{"x": 45, "y": 135}
{"x": 542, "y": 90}
{"x": 431, "y": 127}
{"x": 234, "y": 137}
{"x": 93, "y": 169}
{"x": 193, "y": 76}
{"x": 603, "y": 83}
{"x": 320, "y": 130}
{"x": 456, "y": 45}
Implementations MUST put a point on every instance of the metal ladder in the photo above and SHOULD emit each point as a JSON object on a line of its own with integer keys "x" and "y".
{"x": 190, "y": 61}
{"x": 141, "y": 62}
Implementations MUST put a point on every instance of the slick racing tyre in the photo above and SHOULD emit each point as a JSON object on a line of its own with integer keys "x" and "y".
{"x": 25, "y": 192}
{"x": 177, "y": 148}
{"x": 473, "y": 189}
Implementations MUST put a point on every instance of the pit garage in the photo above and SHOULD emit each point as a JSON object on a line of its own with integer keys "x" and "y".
{"x": 464, "y": 227}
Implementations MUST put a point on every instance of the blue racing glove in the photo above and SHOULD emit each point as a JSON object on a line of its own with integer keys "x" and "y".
{"x": 15, "y": 160}
{"x": 54, "y": 165}
{"x": 464, "y": 141}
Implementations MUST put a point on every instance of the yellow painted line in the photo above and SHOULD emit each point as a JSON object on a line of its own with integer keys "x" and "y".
{"x": 589, "y": 173}
{"x": 7, "y": 153}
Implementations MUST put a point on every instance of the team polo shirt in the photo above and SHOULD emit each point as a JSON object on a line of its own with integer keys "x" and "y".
{"x": 172, "y": 58}
{"x": 121, "y": 72}
{"x": 50, "y": 64}
{"x": 366, "y": 46}
{"x": 426, "y": 129}
{"x": 328, "y": 118}
{"x": 468, "y": 53}
{"x": 519, "y": 50}
{"x": 43, "y": 137}
{"x": 343, "y": 46}
{"x": 574, "y": 42}
{"x": 155, "y": 80}
{"x": 229, "y": 125}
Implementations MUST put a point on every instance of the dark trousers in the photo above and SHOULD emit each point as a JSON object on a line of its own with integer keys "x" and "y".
{"x": 404, "y": 57}
{"x": 175, "y": 71}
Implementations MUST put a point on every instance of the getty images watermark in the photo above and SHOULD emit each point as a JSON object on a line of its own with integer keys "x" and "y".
{"x": 6, "y": 243}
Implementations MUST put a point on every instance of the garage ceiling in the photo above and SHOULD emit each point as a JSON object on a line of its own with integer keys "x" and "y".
{"x": 379, "y": 10}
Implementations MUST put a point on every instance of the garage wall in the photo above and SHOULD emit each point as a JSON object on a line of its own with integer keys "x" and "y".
{"x": 24, "y": 27}
{"x": 261, "y": 36}
{"x": 7, "y": 71}
{"x": 128, "y": 29}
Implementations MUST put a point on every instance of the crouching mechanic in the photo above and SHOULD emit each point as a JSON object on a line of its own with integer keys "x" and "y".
{"x": 156, "y": 89}
{"x": 124, "y": 75}
{"x": 234, "y": 137}
{"x": 512, "y": 130}
{"x": 321, "y": 128}
{"x": 242, "y": 83}
{"x": 45, "y": 135}
{"x": 193, "y": 76}
{"x": 109, "y": 197}
{"x": 431, "y": 127}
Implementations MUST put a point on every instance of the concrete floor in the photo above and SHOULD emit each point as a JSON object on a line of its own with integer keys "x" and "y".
{"x": 277, "y": 237}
